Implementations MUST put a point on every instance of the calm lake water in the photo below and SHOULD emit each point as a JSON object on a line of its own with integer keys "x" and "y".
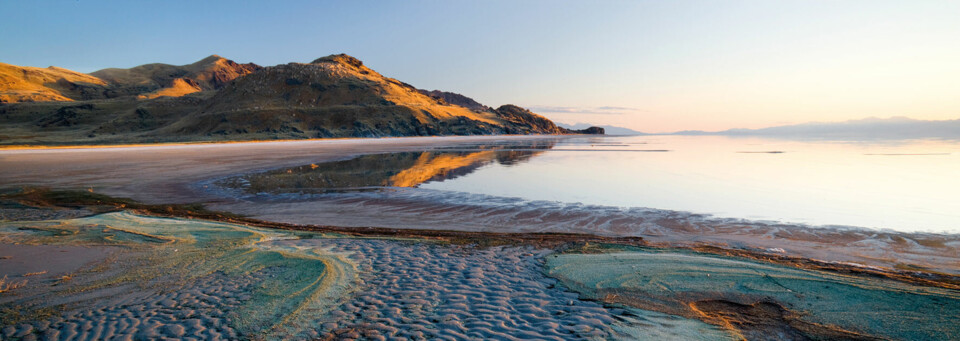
{"x": 909, "y": 185}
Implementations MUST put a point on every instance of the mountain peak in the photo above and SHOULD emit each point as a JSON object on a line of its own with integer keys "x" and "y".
{"x": 213, "y": 58}
{"x": 342, "y": 58}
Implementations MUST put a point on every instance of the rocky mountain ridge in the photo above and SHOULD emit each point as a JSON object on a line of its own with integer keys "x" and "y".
{"x": 217, "y": 99}
{"x": 31, "y": 84}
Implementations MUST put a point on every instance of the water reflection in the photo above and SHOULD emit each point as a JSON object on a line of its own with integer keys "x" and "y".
{"x": 375, "y": 171}
{"x": 907, "y": 185}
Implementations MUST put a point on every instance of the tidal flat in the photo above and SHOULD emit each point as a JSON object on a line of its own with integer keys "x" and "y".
{"x": 342, "y": 240}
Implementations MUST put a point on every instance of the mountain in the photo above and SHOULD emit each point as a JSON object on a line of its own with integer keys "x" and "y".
{"x": 339, "y": 96}
{"x": 869, "y": 128}
{"x": 213, "y": 72}
{"x": 217, "y": 99}
{"x": 609, "y": 130}
{"x": 31, "y": 84}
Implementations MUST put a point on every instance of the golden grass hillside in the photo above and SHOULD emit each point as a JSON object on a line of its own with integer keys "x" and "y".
{"x": 210, "y": 73}
{"x": 33, "y": 84}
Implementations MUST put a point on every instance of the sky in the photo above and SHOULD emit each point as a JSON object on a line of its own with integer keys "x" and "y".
{"x": 653, "y": 66}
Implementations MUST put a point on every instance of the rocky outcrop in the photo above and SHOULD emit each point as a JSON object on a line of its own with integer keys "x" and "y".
{"x": 524, "y": 121}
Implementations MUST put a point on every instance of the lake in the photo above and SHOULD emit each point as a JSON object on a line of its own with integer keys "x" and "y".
{"x": 907, "y": 185}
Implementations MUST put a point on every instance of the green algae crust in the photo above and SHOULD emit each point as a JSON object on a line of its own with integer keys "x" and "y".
{"x": 670, "y": 280}
{"x": 166, "y": 253}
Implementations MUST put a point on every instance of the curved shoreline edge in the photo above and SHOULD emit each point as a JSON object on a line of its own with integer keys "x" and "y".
{"x": 97, "y": 203}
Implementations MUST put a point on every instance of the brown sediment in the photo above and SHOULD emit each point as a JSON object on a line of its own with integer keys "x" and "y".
{"x": 760, "y": 320}
{"x": 765, "y": 320}
{"x": 912, "y": 275}
{"x": 98, "y": 203}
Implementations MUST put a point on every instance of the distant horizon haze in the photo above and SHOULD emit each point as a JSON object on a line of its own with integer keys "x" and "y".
{"x": 650, "y": 66}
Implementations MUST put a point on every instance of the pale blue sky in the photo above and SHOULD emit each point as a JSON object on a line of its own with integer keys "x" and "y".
{"x": 647, "y": 65}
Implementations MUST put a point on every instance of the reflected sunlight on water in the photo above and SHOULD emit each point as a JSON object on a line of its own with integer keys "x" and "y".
{"x": 907, "y": 185}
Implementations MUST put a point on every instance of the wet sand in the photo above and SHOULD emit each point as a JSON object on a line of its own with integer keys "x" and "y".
{"x": 388, "y": 288}
{"x": 189, "y": 174}
{"x": 168, "y": 173}
{"x": 162, "y": 278}
{"x": 719, "y": 288}
{"x": 385, "y": 288}
{"x": 429, "y": 209}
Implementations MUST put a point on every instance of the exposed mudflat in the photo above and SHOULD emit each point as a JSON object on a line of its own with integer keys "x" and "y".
{"x": 758, "y": 299}
{"x": 307, "y": 240}
{"x": 200, "y": 310}
{"x": 442, "y": 210}
{"x": 424, "y": 291}
{"x": 223, "y": 281}
{"x": 161, "y": 277}
{"x": 198, "y": 173}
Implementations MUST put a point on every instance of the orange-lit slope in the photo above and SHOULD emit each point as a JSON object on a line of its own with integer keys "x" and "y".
{"x": 33, "y": 84}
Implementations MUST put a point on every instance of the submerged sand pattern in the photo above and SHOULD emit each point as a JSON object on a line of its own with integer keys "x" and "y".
{"x": 293, "y": 285}
{"x": 218, "y": 276}
{"x": 444, "y": 210}
{"x": 714, "y": 288}
{"x": 421, "y": 291}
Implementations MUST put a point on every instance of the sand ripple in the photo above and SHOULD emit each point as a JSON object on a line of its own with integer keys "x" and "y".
{"x": 434, "y": 209}
{"x": 201, "y": 311}
{"x": 421, "y": 291}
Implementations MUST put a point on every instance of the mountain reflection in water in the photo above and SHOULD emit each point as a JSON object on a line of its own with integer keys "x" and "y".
{"x": 406, "y": 169}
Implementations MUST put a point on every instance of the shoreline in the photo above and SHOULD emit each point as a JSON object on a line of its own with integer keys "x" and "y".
{"x": 385, "y": 139}
{"x": 553, "y": 240}
{"x": 185, "y": 174}
{"x": 365, "y": 277}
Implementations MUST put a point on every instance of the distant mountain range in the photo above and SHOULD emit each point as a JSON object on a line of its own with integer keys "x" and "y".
{"x": 218, "y": 99}
{"x": 869, "y": 128}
